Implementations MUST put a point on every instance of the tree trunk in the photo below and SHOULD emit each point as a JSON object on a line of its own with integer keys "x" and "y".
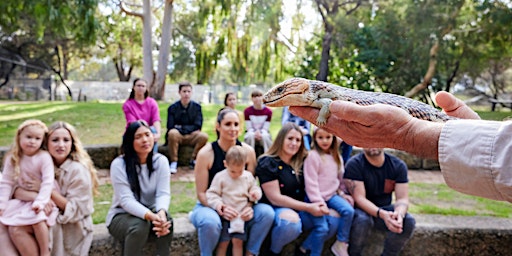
{"x": 452, "y": 76}
{"x": 158, "y": 89}
{"x": 323, "y": 70}
{"x": 427, "y": 79}
{"x": 147, "y": 61}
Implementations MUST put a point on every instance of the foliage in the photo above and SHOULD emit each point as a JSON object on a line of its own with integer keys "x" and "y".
{"x": 47, "y": 35}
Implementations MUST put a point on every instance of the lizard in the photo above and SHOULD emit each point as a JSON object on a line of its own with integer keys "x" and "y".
{"x": 319, "y": 94}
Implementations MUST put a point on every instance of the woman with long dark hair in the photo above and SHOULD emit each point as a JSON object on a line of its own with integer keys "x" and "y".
{"x": 142, "y": 193}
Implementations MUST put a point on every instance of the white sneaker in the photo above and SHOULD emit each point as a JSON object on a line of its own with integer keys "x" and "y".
{"x": 340, "y": 248}
{"x": 174, "y": 167}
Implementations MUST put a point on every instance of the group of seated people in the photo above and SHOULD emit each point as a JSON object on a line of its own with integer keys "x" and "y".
{"x": 301, "y": 183}
{"x": 248, "y": 202}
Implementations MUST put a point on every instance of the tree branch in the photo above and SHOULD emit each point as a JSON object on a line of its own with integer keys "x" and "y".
{"x": 124, "y": 9}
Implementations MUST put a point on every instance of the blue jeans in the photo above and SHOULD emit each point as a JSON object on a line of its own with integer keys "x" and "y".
{"x": 323, "y": 225}
{"x": 362, "y": 225}
{"x": 155, "y": 147}
{"x": 208, "y": 225}
{"x": 285, "y": 231}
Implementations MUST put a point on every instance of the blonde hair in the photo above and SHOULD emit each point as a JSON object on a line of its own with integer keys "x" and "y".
{"x": 297, "y": 159}
{"x": 78, "y": 153}
{"x": 333, "y": 149}
{"x": 236, "y": 155}
{"x": 16, "y": 152}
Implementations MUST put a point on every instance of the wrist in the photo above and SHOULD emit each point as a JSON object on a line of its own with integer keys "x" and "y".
{"x": 378, "y": 213}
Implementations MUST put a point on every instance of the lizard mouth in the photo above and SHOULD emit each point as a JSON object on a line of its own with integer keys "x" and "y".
{"x": 267, "y": 100}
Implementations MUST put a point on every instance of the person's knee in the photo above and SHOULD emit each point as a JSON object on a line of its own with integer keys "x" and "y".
{"x": 17, "y": 231}
{"x": 264, "y": 213}
{"x": 237, "y": 242}
{"x": 202, "y": 138}
{"x": 334, "y": 213}
{"x": 141, "y": 230}
{"x": 289, "y": 216}
{"x": 409, "y": 224}
{"x": 173, "y": 134}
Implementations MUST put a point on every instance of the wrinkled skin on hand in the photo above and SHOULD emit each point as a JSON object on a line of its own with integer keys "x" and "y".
{"x": 384, "y": 126}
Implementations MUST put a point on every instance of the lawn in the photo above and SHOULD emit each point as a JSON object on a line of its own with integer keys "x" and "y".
{"x": 96, "y": 122}
{"x": 103, "y": 123}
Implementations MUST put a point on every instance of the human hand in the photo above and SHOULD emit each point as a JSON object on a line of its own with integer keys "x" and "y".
{"x": 393, "y": 223}
{"x": 349, "y": 199}
{"x": 378, "y": 126}
{"x": 254, "y": 196}
{"x": 162, "y": 226}
{"x": 48, "y": 208}
{"x": 37, "y": 208}
{"x": 229, "y": 213}
{"x": 257, "y": 135}
{"x": 247, "y": 213}
{"x": 318, "y": 209}
{"x": 33, "y": 183}
{"x": 455, "y": 107}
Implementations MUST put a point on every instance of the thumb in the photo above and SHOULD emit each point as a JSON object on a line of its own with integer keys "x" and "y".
{"x": 453, "y": 106}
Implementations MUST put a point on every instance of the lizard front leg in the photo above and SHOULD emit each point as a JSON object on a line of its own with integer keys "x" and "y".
{"x": 323, "y": 105}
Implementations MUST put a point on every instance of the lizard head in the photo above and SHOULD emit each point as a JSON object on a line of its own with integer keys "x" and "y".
{"x": 291, "y": 92}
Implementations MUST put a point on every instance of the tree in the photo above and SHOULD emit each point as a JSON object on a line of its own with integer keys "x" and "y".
{"x": 47, "y": 35}
{"x": 329, "y": 9}
{"x": 156, "y": 81}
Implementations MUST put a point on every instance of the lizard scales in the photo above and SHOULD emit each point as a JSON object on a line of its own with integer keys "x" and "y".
{"x": 318, "y": 94}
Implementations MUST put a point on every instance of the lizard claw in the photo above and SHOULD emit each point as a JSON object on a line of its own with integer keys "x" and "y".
{"x": 321, "y": 121}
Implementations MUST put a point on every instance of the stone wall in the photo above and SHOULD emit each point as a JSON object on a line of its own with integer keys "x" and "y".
{"x": 102, "y": 156}
{"x": 434, "y": 235}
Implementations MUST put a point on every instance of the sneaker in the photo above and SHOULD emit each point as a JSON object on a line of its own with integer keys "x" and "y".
{"x": 299, "y": 252}
{"x": 174, "y": 167}
{"x": 340, "y": 248}
{"x": 192, "y": 164}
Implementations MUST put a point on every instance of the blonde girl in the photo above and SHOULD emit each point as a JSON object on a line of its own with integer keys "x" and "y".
{"x": 27, "y": 160}
{"x": 323, "y": 173}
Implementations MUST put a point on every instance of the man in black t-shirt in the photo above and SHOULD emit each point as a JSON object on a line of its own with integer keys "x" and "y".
{"x": 371, "y": 177}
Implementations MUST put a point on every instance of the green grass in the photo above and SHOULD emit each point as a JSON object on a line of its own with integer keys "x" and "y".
{"x": 96, "y": 122}
{"x": 440, "y": 199}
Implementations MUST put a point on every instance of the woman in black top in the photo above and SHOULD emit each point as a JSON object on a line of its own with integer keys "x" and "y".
{"x": 208, "y": 163}
{"x": 280, "y": 173}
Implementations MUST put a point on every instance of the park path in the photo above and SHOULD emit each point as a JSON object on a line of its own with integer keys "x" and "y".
{"x": 186, "y": 174}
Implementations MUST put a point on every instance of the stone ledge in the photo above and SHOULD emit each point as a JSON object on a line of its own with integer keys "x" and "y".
{"x": 103, "y": 154}
{"x": 434, "y": 235}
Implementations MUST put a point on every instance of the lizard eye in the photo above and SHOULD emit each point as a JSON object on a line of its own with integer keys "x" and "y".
{"x": 280, "y": 89}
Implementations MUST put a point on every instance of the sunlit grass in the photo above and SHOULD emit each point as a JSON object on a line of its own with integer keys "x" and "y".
{"x": 440, "y": 199}
{"x": 98, "y": 122}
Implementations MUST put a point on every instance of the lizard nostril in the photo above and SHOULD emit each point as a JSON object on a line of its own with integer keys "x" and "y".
{"x": 280, "y": 89}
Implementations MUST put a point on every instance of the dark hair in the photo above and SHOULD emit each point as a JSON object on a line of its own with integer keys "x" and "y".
{"x": 227, "y": 96}
{"x": 132, "y": 93}
{"x": 184, "y": 84}
{"x": 131, "y": 158}
{"x": 220, "y": 116}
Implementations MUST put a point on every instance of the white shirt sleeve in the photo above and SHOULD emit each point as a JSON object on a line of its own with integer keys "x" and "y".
{"x": 475, "y": 157}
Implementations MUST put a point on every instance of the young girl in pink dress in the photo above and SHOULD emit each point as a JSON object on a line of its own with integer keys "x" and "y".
{"x": 25, "y": 161}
